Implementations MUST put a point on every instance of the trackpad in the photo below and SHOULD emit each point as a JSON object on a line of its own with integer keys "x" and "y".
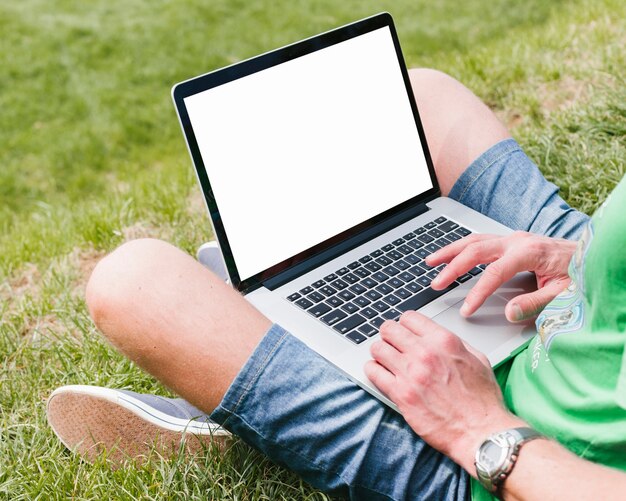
{"x": 486, "y": 330}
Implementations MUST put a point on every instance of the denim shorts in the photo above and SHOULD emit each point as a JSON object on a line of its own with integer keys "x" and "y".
{"x": 303, "y": 413}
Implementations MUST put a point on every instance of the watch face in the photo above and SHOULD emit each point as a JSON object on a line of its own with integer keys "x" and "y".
{"x": 491, "y": 456}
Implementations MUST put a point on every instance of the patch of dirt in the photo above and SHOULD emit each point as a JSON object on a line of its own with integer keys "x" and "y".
{"x": 142, "y": 230}
{"x": 195, "y": 203}
{"x": 510, "y": 118}
{"x": 562, "y": 94}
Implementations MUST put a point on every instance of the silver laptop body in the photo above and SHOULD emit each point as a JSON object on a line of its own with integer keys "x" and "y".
{"x": 322, "y": 195}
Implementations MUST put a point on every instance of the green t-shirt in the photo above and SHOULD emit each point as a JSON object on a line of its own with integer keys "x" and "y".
{"x": 570, "y": 383}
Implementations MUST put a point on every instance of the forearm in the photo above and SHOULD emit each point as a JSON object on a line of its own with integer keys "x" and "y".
{"x": 546, "y": 470}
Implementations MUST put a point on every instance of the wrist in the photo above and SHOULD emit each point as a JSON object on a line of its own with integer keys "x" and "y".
{"x": 464, "y": 452}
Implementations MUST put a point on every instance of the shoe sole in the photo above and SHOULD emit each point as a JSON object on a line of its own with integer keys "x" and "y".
{"x": 92, "y": 421}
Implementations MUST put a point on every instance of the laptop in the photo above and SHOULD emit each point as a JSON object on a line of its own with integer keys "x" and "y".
{"x": 323, "y": 198}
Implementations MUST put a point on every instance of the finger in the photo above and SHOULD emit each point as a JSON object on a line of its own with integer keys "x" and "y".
{"x": 482, "y": 251}
{"x": 493, "y": 277}
{"x": 447, "y": 253}
{"x": 419, "y": 324}
{"x": 387, "y": 356}
{"x": 384, "y": 380}
{"x": 397, "y": 335}
{"x": 530, "y": 305}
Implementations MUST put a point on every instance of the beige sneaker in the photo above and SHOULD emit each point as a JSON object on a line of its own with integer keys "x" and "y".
{"x": 127, "y": 425}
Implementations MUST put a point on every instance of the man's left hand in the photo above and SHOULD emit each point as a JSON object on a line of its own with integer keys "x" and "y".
{"x": 445, "y": 390}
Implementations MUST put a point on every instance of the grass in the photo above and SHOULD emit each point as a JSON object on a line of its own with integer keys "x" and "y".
{"x": 92, "y": 156}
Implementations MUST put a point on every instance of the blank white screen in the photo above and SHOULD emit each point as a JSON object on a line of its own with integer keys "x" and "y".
{"x": 302, "y": 151}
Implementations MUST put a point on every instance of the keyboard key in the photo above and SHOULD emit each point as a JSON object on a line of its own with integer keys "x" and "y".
{"x": 377, "y": 322}
{"x": 405, "y": 249}
{"x": 409, "y": 236}
{"x": 356, "y": 337}
{"x": 442, "y": 242}
{"x": 346, "y": 295}
{"x": 362, "y": 301}
{"x": 424, "y": 281}
{"x": 350, "y": 308}
{"x": 306, "y": 290}
{"x": 391, "y": 315}
{"x": 482, "y": 266}
{"x": 368, "y": 312}
{"x": 397, "y": 242}
{"x": 351, "y": 278}
{"x": 425, "y": 238}
{"x": 403, "y": 293}
{"x": 362, "y": 272}
{"x": 342, "y": 271}
{"x": 440, "y": 220}
{"x": 358, "y": 289}
{"x": 384, "y": 289}
{"x": 349, "y": 323}
{"x": 413, "y": 287}
{"x": 380, "y": 276}
{"x": 368, "y": 330}
{"x": 316, "y": 297}
{"x": 462, "y": 231}
{"x": 373, "y": 295}
{"x": 391, "y": 270}
{"x": 294, "y": 296}
{"x": 395, "y": 255}
{"x": 464, "y": 278}
{"x": 391, "y": 299}
{"x": 475, "y": 271}
{"x": 373, "y": 266}
{"x": 415, "y": 243}
{"x": 425, "y": 266}
{"x": 380, "y": 306}
{"x": 417, "y": 270}
{"x": 339, "y": 284}
{"x": 453, "y": 236}
{"x": 333, "y": 317}
{"x": 304, "y": 303}
{"x": 330, "y": 277}
{"x": 354, "y": 265}
{"x": 401, "y": 264}
{"x": 430, "y": 225}
{"x": 327, "y": 290}
{"x": 334, "y": 301}
{"x": 448, "y": 226}
{"x": 387, "y": 248}
{"x": 436, "y": 233}
{"x": 432, "y": 248}
{"x": 365, "y": 259}
{"x": 406, "y": 276}
{"x": 376, "y": 253}
{"x": 384, "y": 260}
{"x": 412, "y": 259}
{"x": 422, "y": 253}
{"x": 423, "y": 298}
{"x": 368, "y": 282}
{"x": 395, "y": 283}
{"x": 432, "y": 274}
{"x": 319, "y": 284}
{"x": 419, "y": 231}
{"x": 319, "y": 309}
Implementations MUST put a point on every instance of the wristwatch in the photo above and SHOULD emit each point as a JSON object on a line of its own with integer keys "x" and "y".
{"x": 496, "y": 457}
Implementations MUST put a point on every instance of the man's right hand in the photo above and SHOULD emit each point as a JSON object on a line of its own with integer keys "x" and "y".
{"x": 547, "y": 257}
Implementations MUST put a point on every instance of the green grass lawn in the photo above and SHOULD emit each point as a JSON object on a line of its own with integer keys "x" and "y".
{"x": 92, "y": 155}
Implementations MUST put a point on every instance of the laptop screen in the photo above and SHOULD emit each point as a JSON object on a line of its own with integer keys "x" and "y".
{"x": 302, "y": 151}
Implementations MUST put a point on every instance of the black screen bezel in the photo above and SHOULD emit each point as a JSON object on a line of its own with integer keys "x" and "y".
{"x": 260, "y": 63}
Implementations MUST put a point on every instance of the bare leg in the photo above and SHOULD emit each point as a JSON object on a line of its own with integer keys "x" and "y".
{"x": 458, "y": 125}
{"x": 174, "y": 318}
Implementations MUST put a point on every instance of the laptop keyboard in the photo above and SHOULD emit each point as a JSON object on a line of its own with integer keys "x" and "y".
{"x": 357, "y": 299}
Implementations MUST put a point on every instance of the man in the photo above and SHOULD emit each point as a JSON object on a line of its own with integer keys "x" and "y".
{"x": 199, "y": 337}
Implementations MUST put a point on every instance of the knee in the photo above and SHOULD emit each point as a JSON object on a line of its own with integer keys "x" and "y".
{"x": 116, "y": 278}
{"x": 430, "y": 82}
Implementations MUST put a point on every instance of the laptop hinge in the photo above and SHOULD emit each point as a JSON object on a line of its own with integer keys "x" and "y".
{"x": 345, "y": 246}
